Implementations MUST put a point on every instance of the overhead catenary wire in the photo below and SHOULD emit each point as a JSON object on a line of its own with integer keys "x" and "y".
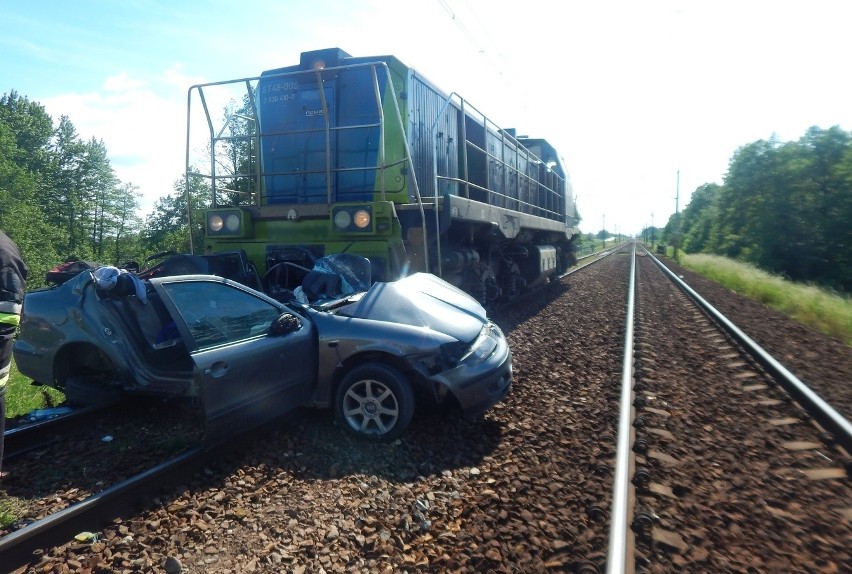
{"x": 488, "y": 49}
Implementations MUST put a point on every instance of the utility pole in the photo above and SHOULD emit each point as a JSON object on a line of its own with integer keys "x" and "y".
{"x": 653, "y": 230}
{"x": 677, "y": 216}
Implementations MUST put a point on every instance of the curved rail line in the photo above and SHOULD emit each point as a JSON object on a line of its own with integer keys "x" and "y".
{"x": 824, "y": 413}
{"x": 620, "y": 554}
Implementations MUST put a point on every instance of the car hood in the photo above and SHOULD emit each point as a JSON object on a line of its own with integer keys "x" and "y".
{"x": 422, "y": 300}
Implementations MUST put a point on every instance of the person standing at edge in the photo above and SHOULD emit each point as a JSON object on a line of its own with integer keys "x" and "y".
{"x": 13, "y": 280}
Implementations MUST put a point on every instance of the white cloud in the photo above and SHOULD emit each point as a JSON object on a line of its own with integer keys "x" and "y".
{"x": 122, "y": 83}
{"x": 140, "y": 121}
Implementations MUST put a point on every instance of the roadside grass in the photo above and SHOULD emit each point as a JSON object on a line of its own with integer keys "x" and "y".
{"x": 826, "y": 311}
{"x": 23, "y": 397}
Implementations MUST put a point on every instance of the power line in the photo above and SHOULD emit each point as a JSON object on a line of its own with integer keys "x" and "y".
{"x": 494, "y": 57}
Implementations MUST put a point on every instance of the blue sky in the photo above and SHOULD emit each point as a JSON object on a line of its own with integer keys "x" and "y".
{"x": 630, "y": 92}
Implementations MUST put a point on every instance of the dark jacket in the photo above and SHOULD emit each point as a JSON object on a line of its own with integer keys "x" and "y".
{"x": 13, "y": 277}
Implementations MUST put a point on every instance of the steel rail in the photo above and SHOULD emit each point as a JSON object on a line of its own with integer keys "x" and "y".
{"x": 32, "y": 435}
{"x": 621, "y": 495}
{"x": 824, "y": 413}
{"x": 16, "y": 548}
{"x": 123, "y": 499}
{"x": 600, "y": 256}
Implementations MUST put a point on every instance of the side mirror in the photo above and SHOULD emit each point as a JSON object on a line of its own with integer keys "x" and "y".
{"x": 285, "y": 323}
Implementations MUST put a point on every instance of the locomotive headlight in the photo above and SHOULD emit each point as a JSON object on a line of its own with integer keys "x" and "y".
{"x": 227, "y": 222}
{"x": 362, "y": 218}
{"x": 342, "y": 219}
{"x": 232, "y": 223}
{"x": 352, "y": 219}
{"x": 216, "y": 223}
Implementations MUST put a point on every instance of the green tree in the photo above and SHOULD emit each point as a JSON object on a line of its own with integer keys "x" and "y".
{"x": 167, "y": 226}
{"x": 59, "y": 194}
{"x": 823, "y": 193}
{"x": 698, "y": 217}
{"x": 63, "y": 201}
{"x": 785, "y": 207}
{"x": 87, "y": 200}
{"x": 124, "y": 224}
{"x": 20, "y": 182}
{"x": 749, "y": 187}
{"x": 31, "y": 127}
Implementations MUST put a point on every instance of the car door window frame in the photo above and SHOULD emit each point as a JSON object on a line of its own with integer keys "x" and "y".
{"x": 213, "y": 314}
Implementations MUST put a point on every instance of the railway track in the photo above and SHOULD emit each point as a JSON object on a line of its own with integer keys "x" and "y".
{"x": 27, "y": 436}
{"x": 527, "y": 489}
{"x": 738, "y": 465}
{"x": 118, "y": 490}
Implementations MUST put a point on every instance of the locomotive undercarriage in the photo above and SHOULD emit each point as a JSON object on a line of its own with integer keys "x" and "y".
{"x": 494, "y": 269}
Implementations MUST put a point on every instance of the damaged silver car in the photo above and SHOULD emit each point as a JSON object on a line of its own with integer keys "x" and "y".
{"x": 372, "y": 353}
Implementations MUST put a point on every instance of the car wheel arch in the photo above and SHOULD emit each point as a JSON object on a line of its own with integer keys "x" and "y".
{"x": 79, "y": 358}
{"x": 355, "y": 361}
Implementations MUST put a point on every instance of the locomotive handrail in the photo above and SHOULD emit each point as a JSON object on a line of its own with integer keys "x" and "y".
{"x": 327, "y": 170}
{"x": 327, "y": 131}
{"x": 517, "y": 201}
{"x": 303, "y": 131}
{"x": 327, "y": 128}
{"x": 435, "y": 186}
{"x": 503, "y": 165}
{"x": 411, "y": 170}
{"x": 507, "y": 168}
{"x": 261, "y": 173}
{"x": 380, "y": 112}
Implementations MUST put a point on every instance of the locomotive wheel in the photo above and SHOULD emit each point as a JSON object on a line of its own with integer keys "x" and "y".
{"x": 374, "y": 401}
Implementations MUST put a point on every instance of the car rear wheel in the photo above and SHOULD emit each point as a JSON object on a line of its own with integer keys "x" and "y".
{"x": 375, "y": 401}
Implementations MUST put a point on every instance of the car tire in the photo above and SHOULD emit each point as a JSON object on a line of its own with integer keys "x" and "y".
{"x": 88, "y": 392}
{"x": 374, "y": 401}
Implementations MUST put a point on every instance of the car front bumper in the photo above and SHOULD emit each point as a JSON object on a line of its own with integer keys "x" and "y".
{"x": 479, "y": 387}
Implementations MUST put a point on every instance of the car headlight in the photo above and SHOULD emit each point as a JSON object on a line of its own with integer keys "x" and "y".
{"x": 483, "y": 346}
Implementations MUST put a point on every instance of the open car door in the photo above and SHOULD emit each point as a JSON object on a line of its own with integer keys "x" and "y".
{"x": 254, "y": 360}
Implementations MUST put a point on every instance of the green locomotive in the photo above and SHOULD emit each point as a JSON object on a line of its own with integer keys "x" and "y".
{"x": 363, "y": 155}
